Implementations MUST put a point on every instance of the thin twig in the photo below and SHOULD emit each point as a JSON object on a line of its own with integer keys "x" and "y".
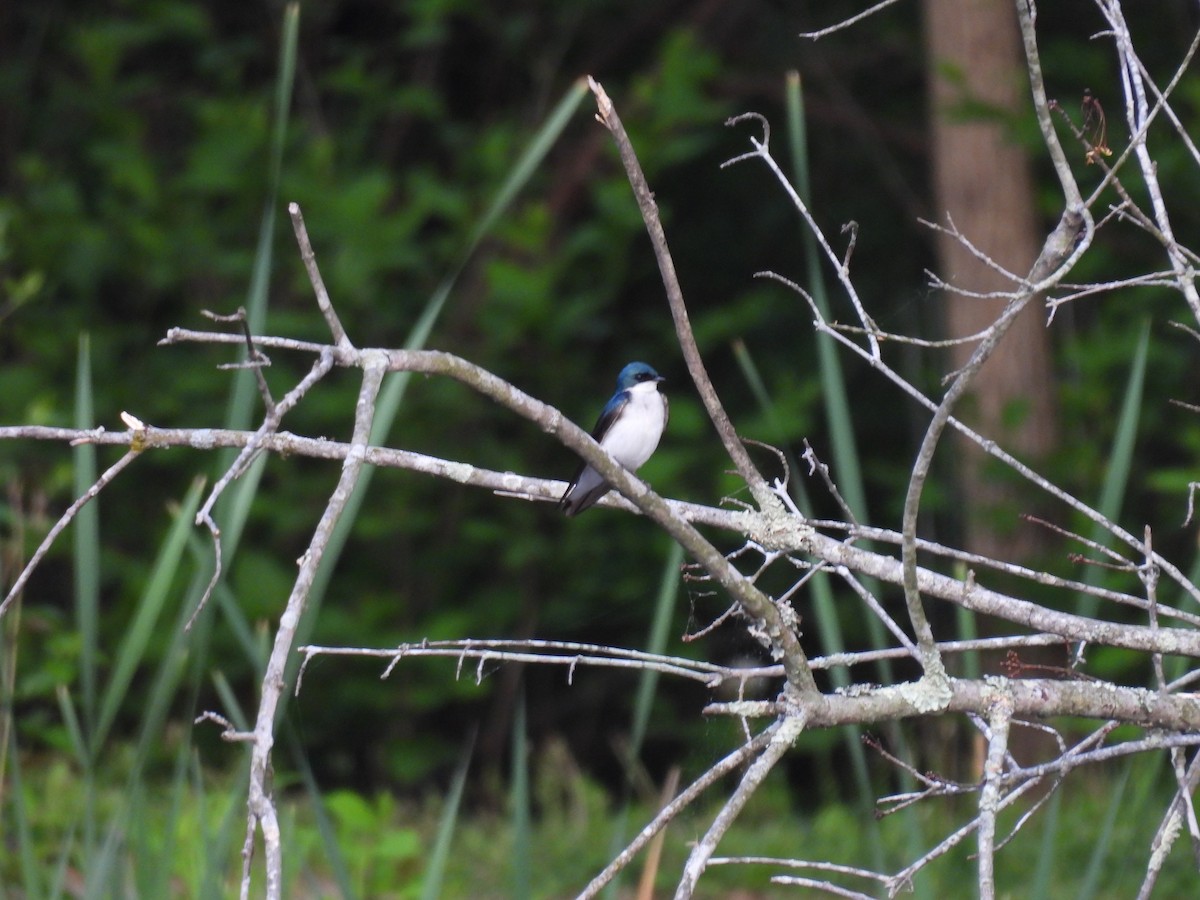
{"x": 1168, "y": 831}
{"x": 241, "y": 463}
{"x": 991, "y": 447}
{"x": 66, "y": 519}
{"x": 846, "y": 23}
{"x": 762, "y": 151}
{"x": 815, "y": 466}
{"x": 779, "y": 744}
{"x": 255, "y": 360}
{"x": 688, "y": 796}
{"x": 903, "y": 879}
{"x": 1137, "y": 114}
{"x": 607, "y": 116}
{"x": 318, "y": 283}
{"x": 951, "y": 230}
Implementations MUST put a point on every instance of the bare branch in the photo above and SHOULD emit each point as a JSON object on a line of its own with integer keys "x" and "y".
{"x": 991, "y": 447}
{"x": 989, "y": 797}
{"x": 1027, "y": 13}
{"x": 846, "y": 23}
{"x": 1137, "y": 113}
{"x": 1031, "y": 698}
{"x": 951, "y": 230}
{"x": 781, "y": 741}
{"x": 252, "y": 448}
{"x": 255, "y": 358}
{"x": 762, "y": 151}
{"x": 260, "y": 805}
{"x": 318, "y": 283}
{"x": 683, "y": 328}
{"x": 1169, "y": 830}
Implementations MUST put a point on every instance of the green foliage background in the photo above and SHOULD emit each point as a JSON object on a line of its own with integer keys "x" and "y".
{"x": 133, "y": 170}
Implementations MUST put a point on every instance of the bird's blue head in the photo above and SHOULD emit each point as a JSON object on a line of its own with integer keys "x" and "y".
{"x": 636, "y": 373}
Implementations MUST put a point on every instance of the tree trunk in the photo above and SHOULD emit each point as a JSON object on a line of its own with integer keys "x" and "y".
{"x": 982, "y": 181}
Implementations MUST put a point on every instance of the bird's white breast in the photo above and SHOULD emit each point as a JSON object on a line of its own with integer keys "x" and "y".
{"x": 634, "y": 436}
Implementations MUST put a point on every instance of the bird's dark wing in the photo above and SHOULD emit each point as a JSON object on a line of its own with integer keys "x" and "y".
{"x": 573, "y": 505}
{"x": 609, "y": 415}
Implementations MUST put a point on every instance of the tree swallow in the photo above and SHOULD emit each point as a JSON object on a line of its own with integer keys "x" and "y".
{"x": 629, "y": 429}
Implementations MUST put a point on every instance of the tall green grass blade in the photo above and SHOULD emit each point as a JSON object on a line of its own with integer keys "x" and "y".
{"x": 87, "y": 584}
{"x": 833, "y": 379}
{"x": 845, "y": 462}
{"x": 70, "y": 717}
{"x": 151, "y": 836}
{"x": 439, "y": 854}
{"x": 643, "y": 704}
{"x": 103, "y": 877}
{"x": 84, "y": 756}
{"x": 758, "y": 388}
{"x": 660, "y": 630}
{"x": 209, "y": 847}
{"x": 231, "y": 708}
{"x": 31, "y": 872}
{"x": 184, "y": 669}
{"x": 519, "y": 807}
{"x": 132, "y": 648}
{"x": 529, "y": 161}
{"x": 1050, "y": 855}
{"x": 235, "y": 504}
{"x": 233, "y": 509}
{"x": 325, "y": 827}
{"x": 967, "y": 630}
{"x": 183, "y": 655}
{"x": 256, "y": 299}
{"x": 1089, "y": 887}
{"x": 230, "y": 830}
{"x": 391, "y": 395}
{"x": 158, "y": 844}
{"x": 58, "y": 886}
{"x": 1120, "y": 460}
{"x": 393, "y": 390}
{"x": 87, "y": 538}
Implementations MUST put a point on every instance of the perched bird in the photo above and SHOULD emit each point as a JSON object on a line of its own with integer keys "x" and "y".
{"x": 629, "y": 429}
